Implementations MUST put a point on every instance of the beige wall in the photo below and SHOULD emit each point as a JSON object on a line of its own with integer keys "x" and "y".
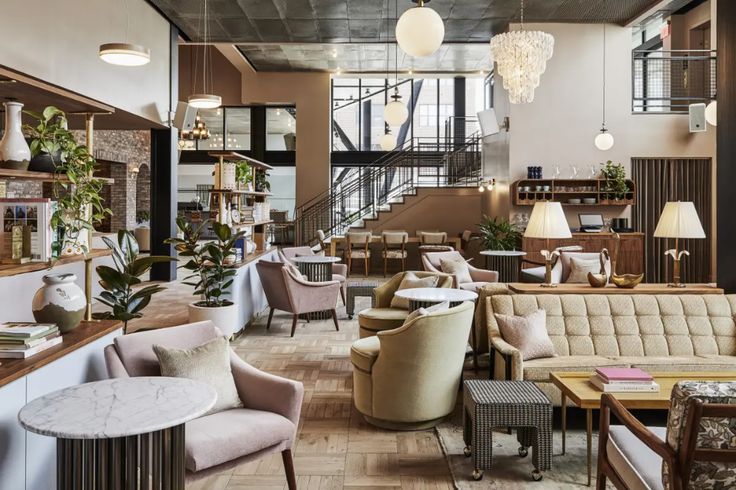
{"x": 225, "y": 81}
{"x": 58, "y": 41}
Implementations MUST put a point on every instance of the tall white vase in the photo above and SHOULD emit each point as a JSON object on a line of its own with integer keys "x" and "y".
{"x": 14, "y": 151}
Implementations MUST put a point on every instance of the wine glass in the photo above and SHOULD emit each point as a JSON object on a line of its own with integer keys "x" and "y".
{"x": 593, "y": 171}
{"x": 556, "y": 173}
{"x": 573, "y": 171}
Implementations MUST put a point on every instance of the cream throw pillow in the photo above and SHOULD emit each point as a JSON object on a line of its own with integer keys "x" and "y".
{"x": 410, "y": 281}
{"x": 209, "y": 363}
{"x": 445, "y": 305}
{"x": 456, "y": 268}
{"x": 527, "y": 333}
{"x": 579, "y": 269}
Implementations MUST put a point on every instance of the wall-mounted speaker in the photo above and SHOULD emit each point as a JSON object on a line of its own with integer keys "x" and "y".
{"x": 185, "y": 116}
{"x": 488, "y": 122}
{"x": 697, "y": 118}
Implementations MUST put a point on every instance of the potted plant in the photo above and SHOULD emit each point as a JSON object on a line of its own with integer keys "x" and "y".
{"x": 143, "y": 230}
{"x": 615, "y": 176}
{"x": 119, "y": 283}
{"x": 244, "y": 175}
{"x": 262, "y": 184}
{"x": 211, "y": 274}
{"x": 499, "y": 234}
{"x": 75, "y": 189}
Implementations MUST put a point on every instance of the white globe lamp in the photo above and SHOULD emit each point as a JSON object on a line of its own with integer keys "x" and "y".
{"x": 604, "y": 141}
{"x": 395, "y": 113}
{"x": 387, "y": 142}
{"x": 420, "y": 30}
{"x": 711, "y": 113}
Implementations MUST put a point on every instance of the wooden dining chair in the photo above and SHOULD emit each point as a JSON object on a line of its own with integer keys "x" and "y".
{"x": 358, "y": 243}
{"x": 394, "y": 248}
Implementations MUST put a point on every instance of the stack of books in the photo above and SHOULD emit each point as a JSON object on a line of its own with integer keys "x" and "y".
{"x": 22, "y": 340}
{"x": 623, "y": 380}
{"x": 246, "y": 214}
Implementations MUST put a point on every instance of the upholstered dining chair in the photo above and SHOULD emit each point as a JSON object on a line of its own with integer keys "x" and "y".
{"x": 266, "y": 424}
{"x": 697, "y": 449}
{"x": 536, "y": 273}
{"x": 358, "y": 247}
{"x": 432, "y": 262}
{"x": 287, "y": 292}
{"x": 394, "y": 248}
{"x": 433, "y": 241}
{"x": 339, "y": 271}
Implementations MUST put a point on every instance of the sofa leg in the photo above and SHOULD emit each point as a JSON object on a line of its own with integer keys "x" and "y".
{"x": 289, "y": 468}
{"x": 293, "y": 324}
{"x": 270, "y": 316}
{"x": 334, "y": 319}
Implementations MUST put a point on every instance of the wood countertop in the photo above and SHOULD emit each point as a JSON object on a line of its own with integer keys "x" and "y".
{"x": 643, "y": 288}
{"x": 14, "y": 269}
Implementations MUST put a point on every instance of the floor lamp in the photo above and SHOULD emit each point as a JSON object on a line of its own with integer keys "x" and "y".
{"x": 678, "y": 220}
{"x": 548, "y": 222}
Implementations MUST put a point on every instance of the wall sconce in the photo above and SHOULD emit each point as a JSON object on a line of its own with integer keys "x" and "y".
{"x": 135, "y": 171}
{"x": 487, "y": 185}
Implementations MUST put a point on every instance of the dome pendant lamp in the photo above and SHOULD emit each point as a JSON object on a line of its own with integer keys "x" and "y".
{"x": 388, "y": 141}
{"x": 604, "y": 140}
{"x": 125, "y": 54}
{"x": 204, "y": 100}
{"x": 420, "y": 30}
{"x": 395, "y": 113}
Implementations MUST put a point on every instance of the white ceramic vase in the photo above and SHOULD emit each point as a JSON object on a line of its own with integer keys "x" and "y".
{"x": 223, "y": 317}
{"x": 59, "y": 301}
{"x": 14, "y": 151}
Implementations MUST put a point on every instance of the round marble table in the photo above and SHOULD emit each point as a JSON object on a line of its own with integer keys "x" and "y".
{"x": 317, "y": 268}
{"x": 119, "y": 433}
{"x": 424, "y": 297}
{"x": 506, "y": 262}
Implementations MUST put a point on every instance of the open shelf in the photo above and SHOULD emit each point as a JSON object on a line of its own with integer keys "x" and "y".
{"x": 562, "y": 190}
{"x": 15, "y": 269}
{"x": 242, "y": 192}
{"x": 234, "y": 156}
{"x": 6, "y": 173}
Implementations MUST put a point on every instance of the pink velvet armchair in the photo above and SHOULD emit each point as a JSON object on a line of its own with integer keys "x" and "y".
{"x": 481, "y": 277}
{"x": 285, "y": 292}
{"x": 339, "y": 271}
{"x": 266, "y": 424}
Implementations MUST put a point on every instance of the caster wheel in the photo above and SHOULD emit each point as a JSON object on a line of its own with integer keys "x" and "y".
{"x": 477, "y": 475}
{"x": 523, "y": 452}
{"x": 350, "y": 317}
{"x": 537, "y": 475}
{"x": 467, "y": 451}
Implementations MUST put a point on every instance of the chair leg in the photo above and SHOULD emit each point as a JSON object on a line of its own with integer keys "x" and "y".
{"x": 334, "y": 319}
{"x": 270, "y": 315}
{"x": 385, "y": 263}
{"x": 289, "y": 468}
{"x": 366, "y": 265}
{"x": 293, "y": 324}
{"x": 342, "y": 295}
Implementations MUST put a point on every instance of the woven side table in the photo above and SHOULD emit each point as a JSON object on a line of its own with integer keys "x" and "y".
{"x": 358, "y": 288}
{"x": 489, "y": 404}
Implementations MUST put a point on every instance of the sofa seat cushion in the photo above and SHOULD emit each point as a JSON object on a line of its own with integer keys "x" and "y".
{"x": 473, "y": 286}
{"x": 638, "y": 466}
{"x": 678, "y": 363}
{"x": 225, "y": 436}
{"x": 378, "y": 319}
{"x": 364, "y": 353}
{"x": 729, "y": 361}
{"x": 539, "y": 369}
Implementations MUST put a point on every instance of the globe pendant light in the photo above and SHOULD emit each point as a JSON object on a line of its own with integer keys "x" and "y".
{"x": 125, "y": 54}
{"x": 521, "y": 57}
{"x": 395, "y": 113}
{"x": 388, "y": 141}
{"x": 420, "y": 30}
{"x": 711, "y": 113}
{"x": 204, "y": 100}
{"x": 604, "y": 140}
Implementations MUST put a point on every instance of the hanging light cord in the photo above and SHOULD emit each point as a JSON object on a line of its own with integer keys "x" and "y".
{"x": 522, "y": 15}
{"x": 388, "y": 48}
{"x": 204, "y": 50}
{"x": 396, "y": 51}
{"x": 604, "y": 76}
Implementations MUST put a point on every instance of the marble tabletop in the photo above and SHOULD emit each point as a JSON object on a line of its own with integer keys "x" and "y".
{"x": 436, "y": 294}
{"x": 117, "y": 407}
{"x": 316, "y": 259}
{"x": 503, "y": 253}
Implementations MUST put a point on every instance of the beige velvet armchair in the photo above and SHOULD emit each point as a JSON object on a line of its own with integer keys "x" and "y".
{"x": 382, "y": 316}
{"x": 431, "y": 261}
{"x": 408, "y": 378}
{"x": 267, "y": 423}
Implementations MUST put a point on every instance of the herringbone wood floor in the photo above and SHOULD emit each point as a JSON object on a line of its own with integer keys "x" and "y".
{"x": 335, "y": 447}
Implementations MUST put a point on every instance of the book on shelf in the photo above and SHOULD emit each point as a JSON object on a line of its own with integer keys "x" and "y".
{"x": 623, "y": 375}
{"x": 26, "y": 353}
{"x": 25, "y": 330}
{"x": 623, "y": 387}
{"x": 35, "y": 215}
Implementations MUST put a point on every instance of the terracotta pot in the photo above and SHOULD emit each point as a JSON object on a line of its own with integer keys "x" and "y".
{"x": 59, "y": 301}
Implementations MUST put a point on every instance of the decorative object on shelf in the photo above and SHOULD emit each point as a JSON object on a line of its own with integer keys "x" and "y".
{"x": 207, "y": 262}
{"x": 600, "y": 279}
{"x": 625, "y": 281}
{"x": 615, "y": 175}
{"x": 573, "y": 171}
{"x": 548, "y": 222}
{"x": 556, "y": 172}
{"x": 521, "y": 57}
{"x": 711, "y": 113}
{"x": 205, "y": 99}
{"x": 420, "y": 30}
{"x": 592, "y": 171}
{"x": 59, "y": 301}
{"x": 678, "y": 220}
{"x": 244, "y": 175}
{"x": 487, "y": 185}
{"x": 534, "y": 172}
{"x": 198, "y": 132}
{"x": 228, "y": 176}
{"x": 14, "y": 151}
{"x": 499, "y": 234}
{"x": 118, "y": 282}
{"x": 262, "y": 184}
{"x": 388, "y": 140}
{"x": 604, "y": 140}
{"x": 33, "y": 215}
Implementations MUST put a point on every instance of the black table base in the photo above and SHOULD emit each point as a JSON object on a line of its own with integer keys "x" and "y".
{"x": 154, "y": 460}
{"x": 507, "y": 266}
{"x": 317, "y": 272}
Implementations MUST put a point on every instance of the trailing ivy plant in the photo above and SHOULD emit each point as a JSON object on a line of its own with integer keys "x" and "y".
{"x": 499, "y": 234}
{"x": 615, "y": 175}
{"x": 77, "y": 192}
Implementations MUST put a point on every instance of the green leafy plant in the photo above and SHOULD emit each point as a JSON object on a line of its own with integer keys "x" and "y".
{"x": 208, "y": 261}
{"x": 615, "y": 175}
{"x": 119, "y": 282}
{"x": 499, "y": 234}
{"x": 77, "y": 192}
{"x": 142, "y": 216}
{"x": 262, "y": 184}
{"x": 243, "y": 172}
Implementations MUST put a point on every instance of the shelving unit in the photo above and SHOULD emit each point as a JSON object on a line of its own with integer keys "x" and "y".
{"x": 9, "y": 174}
{"x": 562, "y": 190}
{"x": 15, "y": 269}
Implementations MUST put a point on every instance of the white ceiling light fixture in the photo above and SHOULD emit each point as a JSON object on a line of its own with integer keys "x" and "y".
{"x": 395, "y": 113}
{"x": 522, "y": 58}
{"x": 125, "y": 54}
{"x": 204, "y": 100}
{"x": 711, "y": 113}
{"x": 387, "y": 141}
{"x": 604, "y": 140}
{"x": 420, "y": 30}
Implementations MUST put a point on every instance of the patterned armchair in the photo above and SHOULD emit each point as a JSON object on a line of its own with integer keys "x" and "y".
{"x": 696, "y": 450}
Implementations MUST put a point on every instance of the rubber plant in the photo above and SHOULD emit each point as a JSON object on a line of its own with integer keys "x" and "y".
{"x": 120, "y": 292}
{"x": 211, "y": 274}
{"x": 75, "y": 189}
{"x": 262, "y": 184}
{"x": 499, "y": 234}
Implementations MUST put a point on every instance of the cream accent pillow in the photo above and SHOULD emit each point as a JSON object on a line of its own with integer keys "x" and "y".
{"x": 445, "y": 305}
{"x": 410, "y": 281}
{"x": 579, "y": 269}
{"x": 527, "y": 333}
{"x": 209, "y": 363}
{"x": 456, "y": 268}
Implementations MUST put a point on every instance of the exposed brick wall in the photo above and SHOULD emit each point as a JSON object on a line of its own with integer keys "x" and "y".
{"x": 23, "y": 189}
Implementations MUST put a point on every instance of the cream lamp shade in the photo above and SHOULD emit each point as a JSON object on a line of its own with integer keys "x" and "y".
{"x": 679, "y": 220}
{"x": 547, "y": 221}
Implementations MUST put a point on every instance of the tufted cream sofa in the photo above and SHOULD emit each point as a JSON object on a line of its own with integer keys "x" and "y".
{"x": 679, "y": 332}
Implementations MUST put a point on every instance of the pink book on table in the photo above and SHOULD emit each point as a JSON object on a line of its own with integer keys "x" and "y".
{"x": 623, "y": 374}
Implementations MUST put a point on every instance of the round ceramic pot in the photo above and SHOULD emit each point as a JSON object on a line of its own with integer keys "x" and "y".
{"x": 223, "y": 317}
{"x": 44, "y": 162}
{"x": 14, "y": 151}
{"x": 59, "y": 301}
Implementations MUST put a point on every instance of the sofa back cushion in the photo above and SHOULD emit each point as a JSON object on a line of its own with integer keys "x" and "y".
{"x": 629, "y": 325}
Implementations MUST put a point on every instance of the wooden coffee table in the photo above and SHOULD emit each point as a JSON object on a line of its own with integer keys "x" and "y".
{"x": 575, "y": 386}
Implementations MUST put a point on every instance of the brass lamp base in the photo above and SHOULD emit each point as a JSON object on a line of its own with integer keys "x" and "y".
{"x": 675, "y": 285}
{"x": 548, "y": 285}
{"x": 548, "y": 259}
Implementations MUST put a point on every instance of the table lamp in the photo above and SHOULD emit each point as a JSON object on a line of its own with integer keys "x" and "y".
{"x": 678, "y": 220}
{"x": 548, "y": 221}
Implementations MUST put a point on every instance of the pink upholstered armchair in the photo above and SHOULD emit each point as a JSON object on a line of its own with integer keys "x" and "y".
{"x": 285, "y": 292}
{"x": 267, "y": 423}
{"x": 480, "y": 277}
{"x": 339, "y": 271}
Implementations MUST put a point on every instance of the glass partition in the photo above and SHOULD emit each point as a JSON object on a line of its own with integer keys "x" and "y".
{"x": 237, "y": 126}
{"x": 281, "y": 129}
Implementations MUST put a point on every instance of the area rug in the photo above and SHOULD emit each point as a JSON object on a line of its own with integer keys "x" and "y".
{"x": 509, "y": 470}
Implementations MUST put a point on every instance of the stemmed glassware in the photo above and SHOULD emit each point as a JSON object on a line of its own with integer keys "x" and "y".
{"x": 573, "y": 171}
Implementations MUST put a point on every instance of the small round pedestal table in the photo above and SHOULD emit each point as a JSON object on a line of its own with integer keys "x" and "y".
{"x": 317, "y": 268}
{"x": 506, "y": 262}
{"x": 119, "y": 433}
